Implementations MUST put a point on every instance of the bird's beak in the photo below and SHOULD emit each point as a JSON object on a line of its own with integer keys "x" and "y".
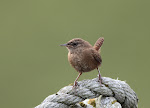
{"x": 63, "y": 45}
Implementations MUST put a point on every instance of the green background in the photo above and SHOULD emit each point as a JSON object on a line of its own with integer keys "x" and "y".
{"x": 33, "y": 65}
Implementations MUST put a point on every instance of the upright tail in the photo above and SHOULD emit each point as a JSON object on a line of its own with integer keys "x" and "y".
{"x": 98, "y": 43}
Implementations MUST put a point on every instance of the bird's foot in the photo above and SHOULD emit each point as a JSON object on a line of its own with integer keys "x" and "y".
{"x": 100, "y": 81}
{"x": 75, "y": 84}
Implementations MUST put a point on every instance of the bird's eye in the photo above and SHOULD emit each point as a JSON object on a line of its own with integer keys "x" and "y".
{"x": 75, "y": 44}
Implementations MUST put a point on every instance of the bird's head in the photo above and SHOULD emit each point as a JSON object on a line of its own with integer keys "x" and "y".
{"x": 76, "y": 44}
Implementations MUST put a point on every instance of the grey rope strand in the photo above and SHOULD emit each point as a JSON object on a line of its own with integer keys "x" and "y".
{"x": 89, "y": 89}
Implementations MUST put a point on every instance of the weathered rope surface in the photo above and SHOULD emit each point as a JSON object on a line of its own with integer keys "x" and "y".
{"x": 88, "y": 89}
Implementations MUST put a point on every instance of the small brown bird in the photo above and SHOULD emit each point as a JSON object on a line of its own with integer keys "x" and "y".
{"x": 83, "y": 56}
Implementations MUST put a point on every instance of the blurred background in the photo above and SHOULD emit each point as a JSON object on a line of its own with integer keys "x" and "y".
{"x": 33, "y": 65}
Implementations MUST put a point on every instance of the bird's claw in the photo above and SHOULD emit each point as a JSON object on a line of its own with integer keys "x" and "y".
{"x": 99, "y": 80}
{"x": 75, "y": 84}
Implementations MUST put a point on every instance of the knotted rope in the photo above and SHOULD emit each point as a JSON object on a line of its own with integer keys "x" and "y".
{"x": 88, "y": 89}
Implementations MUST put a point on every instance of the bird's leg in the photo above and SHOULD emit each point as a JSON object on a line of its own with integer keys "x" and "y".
{"x": 75, "y": 82}
{"x": 99, "y": 76}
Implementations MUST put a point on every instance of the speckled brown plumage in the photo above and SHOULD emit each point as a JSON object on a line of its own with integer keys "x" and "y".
{"x": 83, "y": 56}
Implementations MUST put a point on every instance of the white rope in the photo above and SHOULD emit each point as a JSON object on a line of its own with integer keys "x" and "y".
{"x": 89, "y": 89}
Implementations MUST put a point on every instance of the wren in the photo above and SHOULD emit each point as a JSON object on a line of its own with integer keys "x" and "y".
{"x": 83, "y": 56}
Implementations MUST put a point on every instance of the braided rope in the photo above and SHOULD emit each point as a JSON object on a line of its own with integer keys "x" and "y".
{"x": 89, "y": 89}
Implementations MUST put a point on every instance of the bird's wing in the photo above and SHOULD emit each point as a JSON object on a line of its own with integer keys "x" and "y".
{"x": 96, "y": 56}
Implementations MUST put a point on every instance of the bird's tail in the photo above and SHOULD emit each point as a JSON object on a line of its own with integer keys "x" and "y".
{"x": 98, "y": 43}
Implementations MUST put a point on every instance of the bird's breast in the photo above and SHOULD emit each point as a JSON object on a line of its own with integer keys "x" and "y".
{"x": 82, "y": 62}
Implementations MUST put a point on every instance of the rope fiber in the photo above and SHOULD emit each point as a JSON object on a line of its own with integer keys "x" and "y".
{"x": 89, "y": 89}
